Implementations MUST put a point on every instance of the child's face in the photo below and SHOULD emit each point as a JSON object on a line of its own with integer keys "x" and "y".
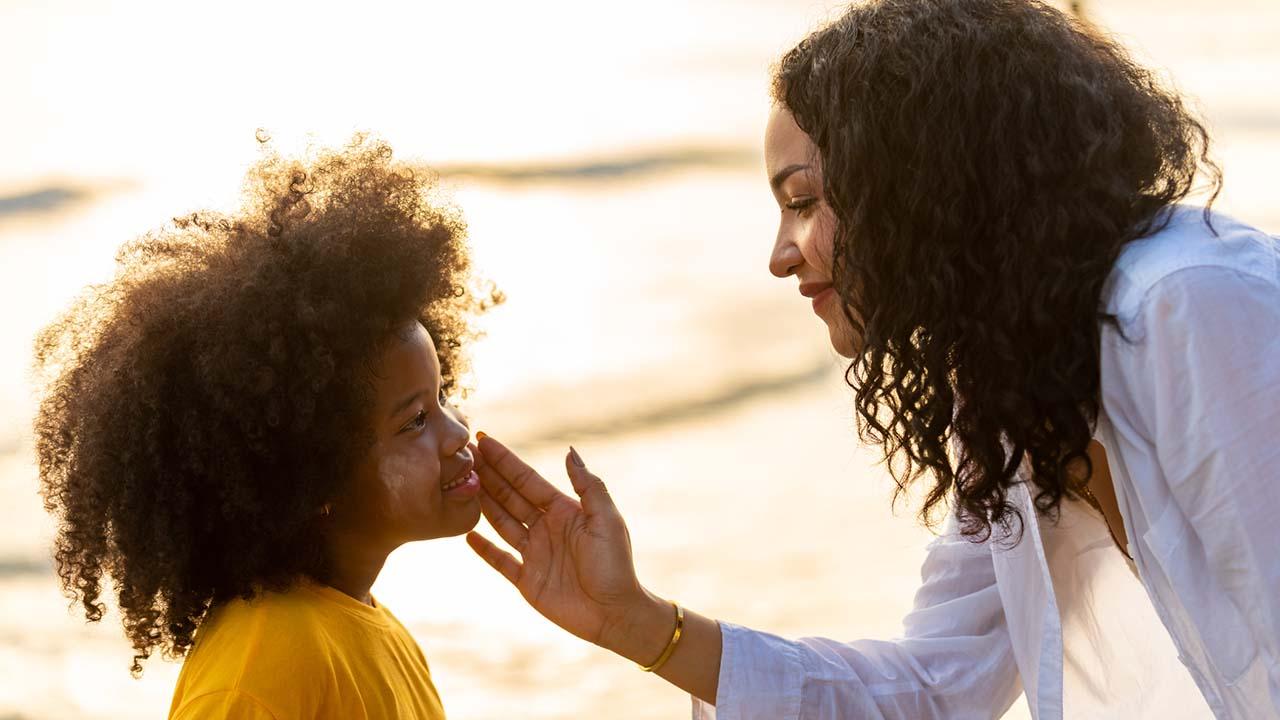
{"x": 417, "y": 481}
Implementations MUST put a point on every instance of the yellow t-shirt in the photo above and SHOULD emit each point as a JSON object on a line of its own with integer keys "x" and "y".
{"x": 311, "y": 652}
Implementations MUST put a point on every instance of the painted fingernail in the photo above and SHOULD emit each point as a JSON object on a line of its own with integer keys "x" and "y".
{"x": 576, "y": 458}
{"x": 480, "y": 435}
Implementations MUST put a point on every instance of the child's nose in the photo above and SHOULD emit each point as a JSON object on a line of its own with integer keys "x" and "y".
{"x": 457, "y": 431}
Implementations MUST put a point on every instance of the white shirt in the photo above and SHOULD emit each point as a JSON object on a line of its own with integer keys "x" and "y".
{"x": 1117, "y": 659}
{"x": 1190, "y": 421}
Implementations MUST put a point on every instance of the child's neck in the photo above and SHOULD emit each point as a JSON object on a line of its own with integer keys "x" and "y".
{"x": 353, "y": 567}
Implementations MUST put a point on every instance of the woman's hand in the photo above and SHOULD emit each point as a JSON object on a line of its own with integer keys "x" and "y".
{"x": 576, "y": 566}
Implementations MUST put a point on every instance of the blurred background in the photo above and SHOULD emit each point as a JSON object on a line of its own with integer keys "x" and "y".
{"x": 607, "y": 156}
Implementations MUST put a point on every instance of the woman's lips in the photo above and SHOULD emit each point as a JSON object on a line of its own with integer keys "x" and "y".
{"x": 822, "y": 297}
{"x": 819, "y": 292}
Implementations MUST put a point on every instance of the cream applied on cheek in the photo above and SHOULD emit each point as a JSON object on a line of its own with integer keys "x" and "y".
{"x": 396, "y": 472}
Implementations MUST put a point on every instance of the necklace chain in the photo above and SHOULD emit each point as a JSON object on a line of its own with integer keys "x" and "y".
{"x": 1084, "y": 492}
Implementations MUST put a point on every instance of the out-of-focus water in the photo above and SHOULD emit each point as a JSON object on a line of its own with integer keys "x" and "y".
{"x": 614, "y": 190}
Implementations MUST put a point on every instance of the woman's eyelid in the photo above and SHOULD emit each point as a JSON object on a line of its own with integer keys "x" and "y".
{"x": 798, "y": 186}
{"x": 797, "y": 189}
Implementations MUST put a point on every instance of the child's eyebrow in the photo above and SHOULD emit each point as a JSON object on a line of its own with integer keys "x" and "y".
{"x": 406, "y": 402}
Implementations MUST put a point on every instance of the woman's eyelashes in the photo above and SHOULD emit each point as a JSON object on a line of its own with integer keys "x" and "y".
{"x": 801, "y": 205}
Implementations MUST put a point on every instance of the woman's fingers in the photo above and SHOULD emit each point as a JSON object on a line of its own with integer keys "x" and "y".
{"x": 500, "y": 490}
{"x": 524, "y": 479}
{"x": 498, "y": 559}
{"x": 596, "y": 500}
{"x": 509, "y": 528}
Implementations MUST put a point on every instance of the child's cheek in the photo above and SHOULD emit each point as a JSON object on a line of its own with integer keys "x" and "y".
{"x": 400, "y": 474}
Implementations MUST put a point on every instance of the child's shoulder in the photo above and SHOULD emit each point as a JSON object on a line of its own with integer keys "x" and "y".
{"x": 292, "y": 620}
{"x": 294, "y": 650}
{"x": 268, "y": 649}
{"x": 304, "y": 616}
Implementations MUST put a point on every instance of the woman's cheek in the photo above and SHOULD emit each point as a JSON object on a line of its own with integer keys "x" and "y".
{"x": 824, "y": 234}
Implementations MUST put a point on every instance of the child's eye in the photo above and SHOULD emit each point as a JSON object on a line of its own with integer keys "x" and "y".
{"x": 418, "y": 422}
{"x": 444, "y": 397}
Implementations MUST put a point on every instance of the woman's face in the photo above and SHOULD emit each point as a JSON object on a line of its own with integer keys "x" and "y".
{"x": 417, "y": 481}
{"x": 807, "y": 227}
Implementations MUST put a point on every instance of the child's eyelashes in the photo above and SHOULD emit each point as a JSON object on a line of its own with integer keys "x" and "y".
{"x": 418, "y": 422}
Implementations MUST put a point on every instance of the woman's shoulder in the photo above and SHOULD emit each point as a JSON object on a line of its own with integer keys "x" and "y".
{"x": 1189, "y": 243}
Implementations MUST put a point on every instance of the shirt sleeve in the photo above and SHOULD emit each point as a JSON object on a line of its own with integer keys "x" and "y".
{"x": 1204, "y": 377}
{"x": 955, "y": 660}
{"x": 222, "y": 705}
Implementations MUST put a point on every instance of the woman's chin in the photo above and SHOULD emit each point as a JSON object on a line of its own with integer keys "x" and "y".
{"x": 843, "y": 342}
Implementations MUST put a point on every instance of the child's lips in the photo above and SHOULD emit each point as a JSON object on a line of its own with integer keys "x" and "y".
{"x": 467, "y": 486}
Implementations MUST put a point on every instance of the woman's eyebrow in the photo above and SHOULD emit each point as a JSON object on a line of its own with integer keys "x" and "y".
{"x": 781, "y": 176}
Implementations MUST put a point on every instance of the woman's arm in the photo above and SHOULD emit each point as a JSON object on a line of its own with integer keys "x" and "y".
{"x": 954, "y": 662}
{"x": 1201, "y": 381}
{"x": 694, "y": 667}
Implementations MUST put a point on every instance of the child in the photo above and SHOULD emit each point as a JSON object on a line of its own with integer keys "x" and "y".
{"x": 241, "y": 426}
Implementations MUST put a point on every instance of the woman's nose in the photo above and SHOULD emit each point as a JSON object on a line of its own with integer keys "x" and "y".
{"x": 786, "y": 257}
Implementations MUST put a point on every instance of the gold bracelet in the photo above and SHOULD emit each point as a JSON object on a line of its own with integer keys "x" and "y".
{"x": 671, "y": 646}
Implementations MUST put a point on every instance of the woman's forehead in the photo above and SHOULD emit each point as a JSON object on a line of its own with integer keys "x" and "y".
{"x": 784, "y": 142}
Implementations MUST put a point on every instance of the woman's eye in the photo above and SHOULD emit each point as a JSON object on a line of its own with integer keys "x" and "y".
{"x": 800, "y": 205}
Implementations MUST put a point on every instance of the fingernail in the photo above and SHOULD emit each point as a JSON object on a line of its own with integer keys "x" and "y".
{"x": 480, "y": 435}
{"x": 576, "y": 458}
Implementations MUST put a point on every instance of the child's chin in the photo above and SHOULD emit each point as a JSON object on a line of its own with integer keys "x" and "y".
{"x": 460, "y": 521}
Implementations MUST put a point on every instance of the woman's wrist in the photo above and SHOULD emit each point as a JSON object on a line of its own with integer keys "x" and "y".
{"x": 642, "y": 630}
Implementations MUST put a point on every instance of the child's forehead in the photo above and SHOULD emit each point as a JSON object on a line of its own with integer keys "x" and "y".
{"x": 410, "y": 345}
{"x": 408, "y": 363}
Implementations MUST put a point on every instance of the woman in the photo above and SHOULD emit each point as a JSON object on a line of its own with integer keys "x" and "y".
{"x": 980, "y": 198}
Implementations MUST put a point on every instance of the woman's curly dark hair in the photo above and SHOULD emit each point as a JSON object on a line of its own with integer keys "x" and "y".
{"x": 985, "y": 161}
{"x": 200, "y": 408}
